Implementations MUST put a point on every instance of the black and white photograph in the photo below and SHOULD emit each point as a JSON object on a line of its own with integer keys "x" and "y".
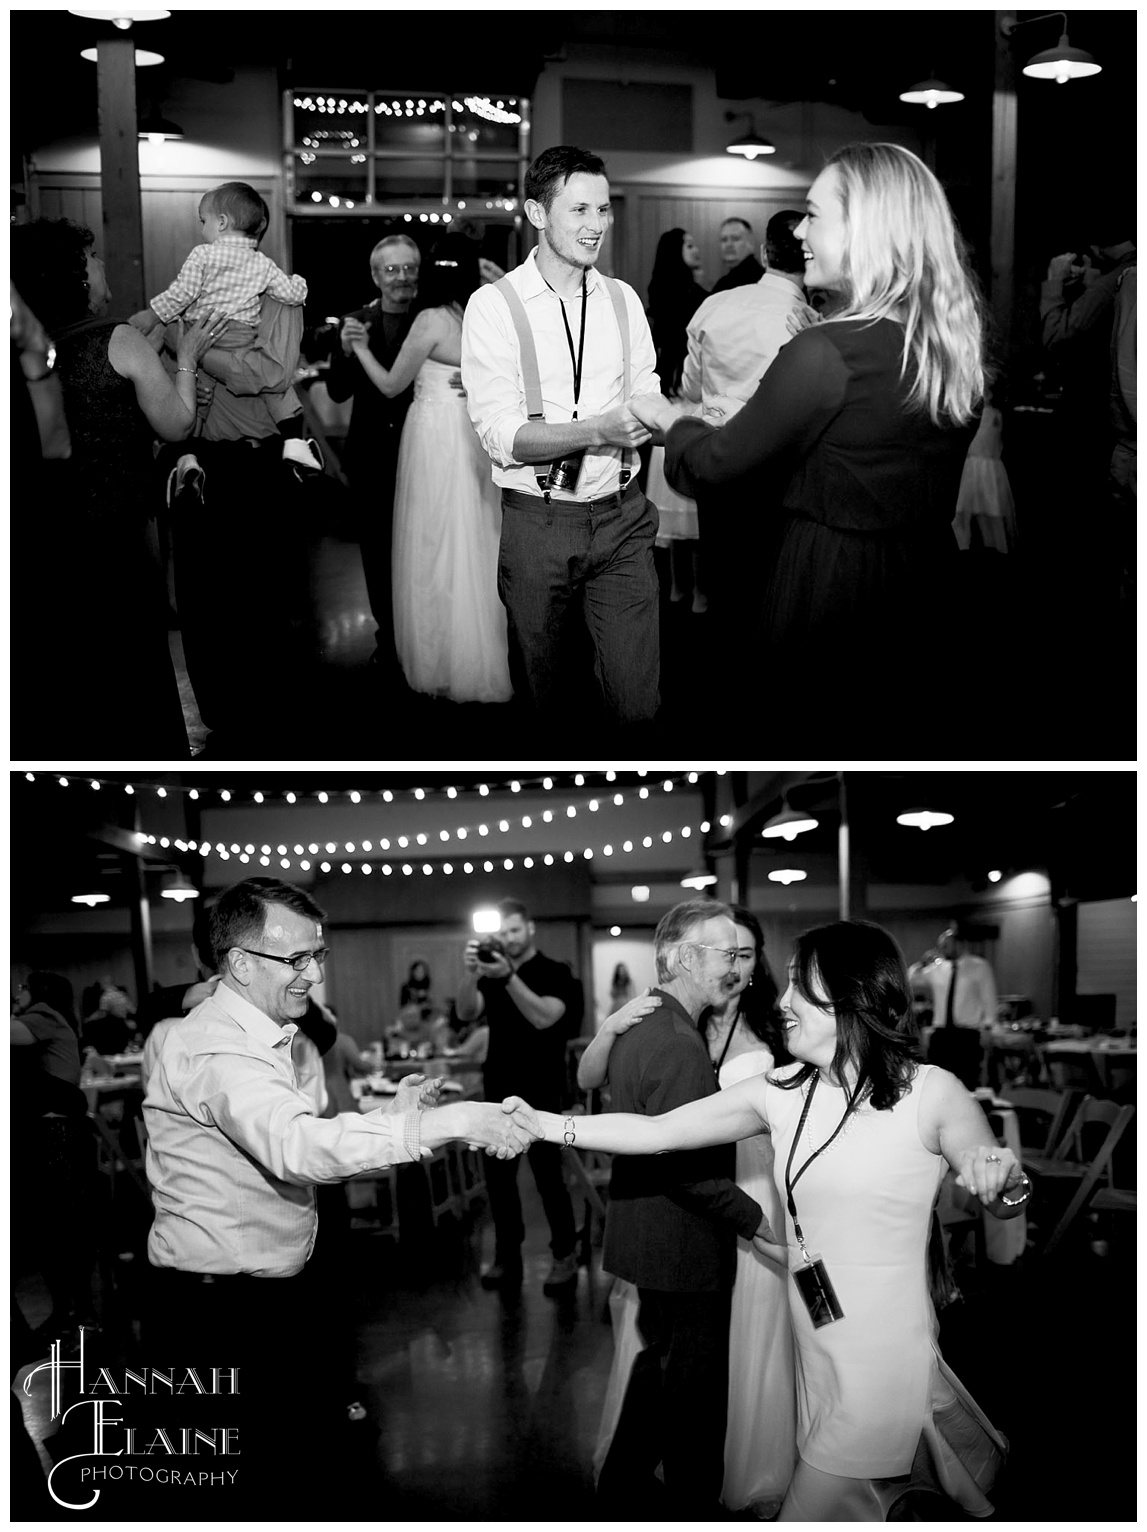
{"x": 825, "y": 1081}
{"x": 594, "y": 360}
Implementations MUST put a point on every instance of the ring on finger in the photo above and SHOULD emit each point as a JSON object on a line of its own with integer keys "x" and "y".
{"x": 994, "y": 1159}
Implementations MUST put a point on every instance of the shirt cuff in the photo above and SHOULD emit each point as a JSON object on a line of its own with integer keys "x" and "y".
{"x": 164, "y": 308}
{"x": 412, "y": 1135}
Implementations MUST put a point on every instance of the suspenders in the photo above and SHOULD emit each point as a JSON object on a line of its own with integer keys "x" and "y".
{"x": 531, "y": 379}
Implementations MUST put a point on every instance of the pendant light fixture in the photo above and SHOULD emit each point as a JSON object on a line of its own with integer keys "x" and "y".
{"x": 1061, "y": 63}
{"x": 91, "y": 900}
{"x": 752, "y": 144}
{"x": 701, "y": 878}
{"x": 143, "y": 57}
{"x": 924, "y": 819}
{"x": 176, "y": 886}
{"x": 158, "y": 130}
{"x": 788, "y": 823}
{"x": 787, "y": 875}
{"x": 931, "y": 93}
{"x": 121, "y": 18}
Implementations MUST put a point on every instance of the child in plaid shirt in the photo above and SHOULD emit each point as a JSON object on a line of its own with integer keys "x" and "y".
{"x": 228, "y": 274}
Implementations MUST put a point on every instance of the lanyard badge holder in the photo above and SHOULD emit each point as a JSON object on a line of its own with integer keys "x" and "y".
{"x": 564, "y": 473}
{"x": 812, "y": 1279}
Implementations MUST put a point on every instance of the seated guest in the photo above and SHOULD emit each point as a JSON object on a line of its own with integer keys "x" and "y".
{"x": 109, "y": 1029}
{"x": 92, "y": 542}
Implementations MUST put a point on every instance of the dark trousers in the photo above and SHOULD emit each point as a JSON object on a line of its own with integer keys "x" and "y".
{"x": 958, "y": 1049}
{"x": 560, "y": 563}
{"x": 674, "y": 1412}
{"x": 264, "y": 1327}
{"x": 241, "y": 573}
{"x": 506, "y": 1203}
{"x": 372, "y": 485}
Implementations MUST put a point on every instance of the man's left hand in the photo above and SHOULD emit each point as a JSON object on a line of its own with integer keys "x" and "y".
{"x": 499, "y": 967}
{"x": 416, "y": 1093}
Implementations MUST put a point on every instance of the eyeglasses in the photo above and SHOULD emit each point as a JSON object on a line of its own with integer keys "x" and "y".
{"x": 298, "y": 960}
{"x": 731, "y": 953}
{"x": 407, "y": 270}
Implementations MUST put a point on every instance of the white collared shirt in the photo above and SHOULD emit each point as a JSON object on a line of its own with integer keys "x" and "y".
{"x": 234, "y": 1148}
{"x": 975, "y": 1001}
{"x": 492, "y": 374}
{"x": 734, "y": 338}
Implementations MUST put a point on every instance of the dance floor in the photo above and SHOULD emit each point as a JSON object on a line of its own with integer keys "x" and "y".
{"x": 482, "y": 1408}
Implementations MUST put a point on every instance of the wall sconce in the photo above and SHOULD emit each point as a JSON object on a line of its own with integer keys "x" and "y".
{"x": 1061, "y": 63}
{"x": 750, "y": 144}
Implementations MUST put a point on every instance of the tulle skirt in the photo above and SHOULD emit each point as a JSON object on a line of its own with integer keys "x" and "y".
{"x": 449, "y": 624}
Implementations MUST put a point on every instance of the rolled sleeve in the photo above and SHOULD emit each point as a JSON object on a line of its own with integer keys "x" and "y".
{"x": 257, "y": 1108}
{"x": 491, "y": 369}
{"x": 292, "y": 290}
{"x": 187, "y": 286}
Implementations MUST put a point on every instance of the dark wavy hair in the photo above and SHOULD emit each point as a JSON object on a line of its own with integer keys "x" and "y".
{"x": 239, "y": 915}
{"x": 670, "y": 274}
{"x": 674, "y": 297}
{"x": 449, "y": 274}
{"x": 49, "y": 266}
{"x": 54, "y": 991}
{"x": 550, "y": 170}
{"x": 856, "y": 968}
{"x": 758, "y": 1001}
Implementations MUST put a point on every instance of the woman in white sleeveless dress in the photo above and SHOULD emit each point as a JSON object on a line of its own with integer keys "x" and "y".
{"x": 863, "y": 1134}
{"x": 760, "y": 1438}
{"x": 449, "y": 623}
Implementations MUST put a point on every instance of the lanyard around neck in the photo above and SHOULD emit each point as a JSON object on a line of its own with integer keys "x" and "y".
{"x": 790, "y": 1180}
{"x": 575, "y": 360}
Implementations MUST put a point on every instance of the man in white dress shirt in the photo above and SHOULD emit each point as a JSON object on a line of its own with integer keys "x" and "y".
{"x": 577, "y": 539}
{"x": 235, "y": 1150}
{"x": 964, "y": 1005}
{"x": 734, "y": 338}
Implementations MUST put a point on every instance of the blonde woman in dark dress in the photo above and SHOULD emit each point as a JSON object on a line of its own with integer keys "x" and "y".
{"x": 864, "y": 420}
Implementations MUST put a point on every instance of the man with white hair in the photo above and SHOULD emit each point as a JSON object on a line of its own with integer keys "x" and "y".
{"x": 671, "y": 1229}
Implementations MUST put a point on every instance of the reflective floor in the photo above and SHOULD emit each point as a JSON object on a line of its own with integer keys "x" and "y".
{"x": 482, "y": 1407}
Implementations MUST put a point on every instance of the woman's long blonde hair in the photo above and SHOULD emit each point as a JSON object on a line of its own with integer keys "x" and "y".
{"x": 904, "y": 260}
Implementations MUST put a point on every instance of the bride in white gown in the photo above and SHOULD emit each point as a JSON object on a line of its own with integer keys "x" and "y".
{"x": 760, "y": 1438}
{"x": 449, "y": 623}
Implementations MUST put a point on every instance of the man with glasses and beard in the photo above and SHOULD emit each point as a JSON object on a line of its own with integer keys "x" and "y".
{"x": 234, "y": 1153}
{"x": 370, "y": 457}
{"x": 671, "y": 1228}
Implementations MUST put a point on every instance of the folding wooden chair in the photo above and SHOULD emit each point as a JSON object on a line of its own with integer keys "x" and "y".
{"x": 1056, "y": 1106}
{"x": 1100, "y": 1166}
{"x": 1070, "y": 1159}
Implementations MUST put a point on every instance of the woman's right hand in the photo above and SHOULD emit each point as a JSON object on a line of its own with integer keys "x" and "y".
{"x": 631, "y": 1012}
{"x": 801, "y": 319}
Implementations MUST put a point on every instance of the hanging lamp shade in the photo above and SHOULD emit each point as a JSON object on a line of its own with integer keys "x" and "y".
{"x": 701, "y": 877}
{"x": 750, "y": 145}
{"x": 1062, "y": 63}
{"x": 158, "y": 130}
{"x": 787, "y": 875}
{"x": 143, "y": 57}
{"x": 788, "y": 824}
{"x": 931, "y": 93}
{"x": 924, "y": 819}
{"x": 177, "y": 887}
{"x": 121, "y": 18}
{"x": 91, "y": 900}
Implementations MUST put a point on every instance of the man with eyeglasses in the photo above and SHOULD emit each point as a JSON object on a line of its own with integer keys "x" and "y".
{"x": 234, "y": 1153}
{"x": 671, "y": 1228}
{"x": 370, "y": 457}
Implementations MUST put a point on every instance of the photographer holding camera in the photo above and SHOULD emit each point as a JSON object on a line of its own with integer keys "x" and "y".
{"x": 533, "y": 1005}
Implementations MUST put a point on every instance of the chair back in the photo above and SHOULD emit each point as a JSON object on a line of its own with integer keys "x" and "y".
{"x": 1117, "y": 1119}
{"x": 1056, "y": 1106}
{"x": 1084, "y": 1147}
